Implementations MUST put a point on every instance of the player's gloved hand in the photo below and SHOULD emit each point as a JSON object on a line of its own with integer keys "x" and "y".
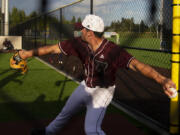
{"x": 16, "y": 62}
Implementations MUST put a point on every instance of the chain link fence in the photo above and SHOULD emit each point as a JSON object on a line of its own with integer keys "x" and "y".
{"x": 150, "y": 42}
{"x": 130, "y": 24}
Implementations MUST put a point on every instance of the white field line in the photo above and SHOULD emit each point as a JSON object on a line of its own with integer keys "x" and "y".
{"x": 57, "y": 70}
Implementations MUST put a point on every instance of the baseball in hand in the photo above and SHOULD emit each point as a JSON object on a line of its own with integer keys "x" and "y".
{"x": 174, "y": 92}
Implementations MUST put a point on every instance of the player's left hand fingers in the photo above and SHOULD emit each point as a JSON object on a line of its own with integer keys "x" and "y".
{"x": 169, "y": 86}
{"x": 172, "y": 92}
{"x": 168, "y": 93}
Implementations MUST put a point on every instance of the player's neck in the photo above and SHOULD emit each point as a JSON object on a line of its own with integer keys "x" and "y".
{"x": 96, "y": 43}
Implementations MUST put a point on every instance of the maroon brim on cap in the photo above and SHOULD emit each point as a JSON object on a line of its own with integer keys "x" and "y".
{"x": 78, "y": 26}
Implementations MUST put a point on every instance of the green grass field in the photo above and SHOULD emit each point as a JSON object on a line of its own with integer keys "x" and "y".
{"x": 39, "y": 94}
{"x": 32, "y": 93}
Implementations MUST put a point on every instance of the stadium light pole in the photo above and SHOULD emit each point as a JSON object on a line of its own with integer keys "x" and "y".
{"x": 6, "y": 27}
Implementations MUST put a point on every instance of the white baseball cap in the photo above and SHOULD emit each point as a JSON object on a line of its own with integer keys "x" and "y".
{"x": 94, "y": 23}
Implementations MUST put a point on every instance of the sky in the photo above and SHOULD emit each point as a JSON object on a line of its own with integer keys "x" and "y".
{"x": 113, "y": 10}
{"x": 32, "y": 5}
{"x": 109, "y": 10}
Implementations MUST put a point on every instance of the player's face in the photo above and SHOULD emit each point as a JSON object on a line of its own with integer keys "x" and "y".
{"x": 84, "y": 35}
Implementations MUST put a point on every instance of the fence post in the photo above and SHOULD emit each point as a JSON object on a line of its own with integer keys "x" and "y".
{"x": 61, "y": 21}
{"x": 91, "y": 6}
{"x": 35, "y": 32}
{"x": 45, "y": 29}
{"x": 174, "y": 103}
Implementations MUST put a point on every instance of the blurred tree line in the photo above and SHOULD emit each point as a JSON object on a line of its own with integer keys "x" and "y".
{"x": 40, "y": 23}
{"x": 19, "y": 16}
{"x": 128, "y": 25}
{"x": 35, "y": 23}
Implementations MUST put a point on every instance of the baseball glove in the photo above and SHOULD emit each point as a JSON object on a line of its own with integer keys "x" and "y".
{"x": 16, "y": 62}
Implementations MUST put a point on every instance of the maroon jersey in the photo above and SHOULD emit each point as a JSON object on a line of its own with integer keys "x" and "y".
{"x": 99, "y": 66}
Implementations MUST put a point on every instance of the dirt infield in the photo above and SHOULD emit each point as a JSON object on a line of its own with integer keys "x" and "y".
{"x": 113, "y": 124}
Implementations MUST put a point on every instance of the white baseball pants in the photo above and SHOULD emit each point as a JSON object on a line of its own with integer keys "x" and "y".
{"x": 95, "y": 100}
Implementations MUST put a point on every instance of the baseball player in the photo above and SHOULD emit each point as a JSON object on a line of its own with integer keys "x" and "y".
{"x": 101, "y": 59}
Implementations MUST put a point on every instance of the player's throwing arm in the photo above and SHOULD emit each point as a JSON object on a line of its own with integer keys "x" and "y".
{"x": 167, "y": 84}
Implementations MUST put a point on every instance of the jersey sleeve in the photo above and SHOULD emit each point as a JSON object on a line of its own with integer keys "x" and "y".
{"x": 124, "y": 59}
{"x": 67, "y": 48}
